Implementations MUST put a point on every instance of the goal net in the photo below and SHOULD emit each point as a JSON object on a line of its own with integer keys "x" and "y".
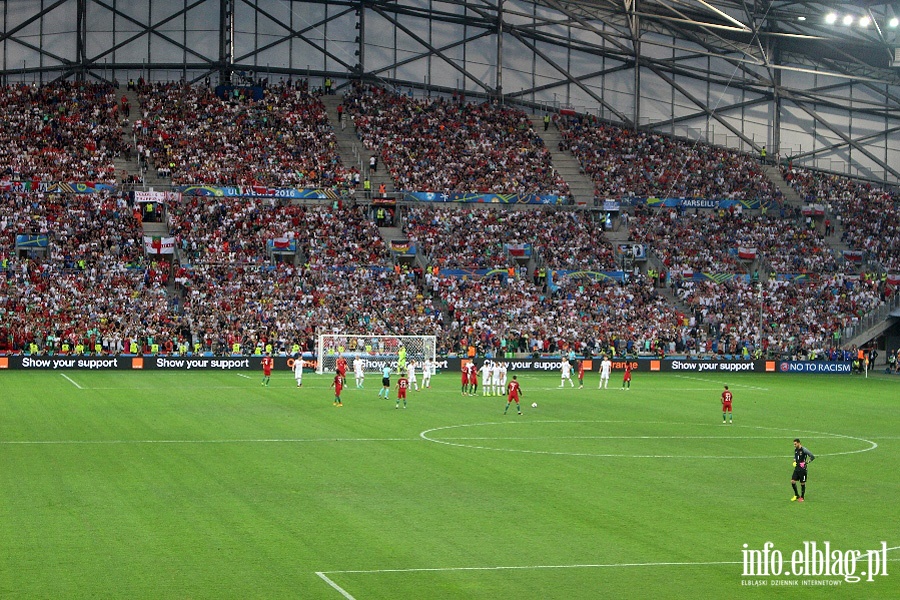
{"x": 376, "y": 351}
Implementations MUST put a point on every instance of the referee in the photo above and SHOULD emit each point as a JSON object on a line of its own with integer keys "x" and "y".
{"x": 802, "y": 458}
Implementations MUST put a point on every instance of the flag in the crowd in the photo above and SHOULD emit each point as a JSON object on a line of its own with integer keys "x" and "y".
{"x": 687, "y": 273}
{"x": 159, "y": 245}
{"x": 893, "y": 278}
{"x": 281, "y": 243}
{"x": 518, "y": 249}
{"x": 746, "y": 253}
{"x": 853, "y": 255}
{"x": 400, "y": 246}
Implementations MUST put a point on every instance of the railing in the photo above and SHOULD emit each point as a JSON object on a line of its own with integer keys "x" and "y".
{"x": 871, "y": 320}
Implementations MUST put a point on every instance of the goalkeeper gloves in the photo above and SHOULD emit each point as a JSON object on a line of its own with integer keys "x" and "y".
{"x": 795, "y": 463}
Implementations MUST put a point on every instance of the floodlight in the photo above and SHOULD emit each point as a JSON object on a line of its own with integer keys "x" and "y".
{"x": 848, "y": 20}
{"x": 831, "y": 18}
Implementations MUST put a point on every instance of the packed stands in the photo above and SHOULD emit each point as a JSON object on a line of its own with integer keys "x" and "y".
{"x": 445, "y": 146}
{"x": 60, "y": 132}
{"x": 96, "y": 284}
{"x": 196, "y": 137}
{"x": 626, "y": 163}
{"x": 869, "y": 214}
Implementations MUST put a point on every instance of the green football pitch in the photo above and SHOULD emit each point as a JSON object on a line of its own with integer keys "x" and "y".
{"x": 207, "y": 485}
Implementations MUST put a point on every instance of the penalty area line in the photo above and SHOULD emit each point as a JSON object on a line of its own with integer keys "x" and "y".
{"x": 535, "y": 567}
{"x": 341, "y": 590}
{"x": 72, "y": 381}
{"x": 244, "y": 376}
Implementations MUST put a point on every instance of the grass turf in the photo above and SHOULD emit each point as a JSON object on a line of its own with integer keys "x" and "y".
{"x": 207, "y": 485}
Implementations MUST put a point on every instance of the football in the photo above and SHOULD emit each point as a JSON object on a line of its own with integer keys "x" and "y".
{"x": 534, "y": 405}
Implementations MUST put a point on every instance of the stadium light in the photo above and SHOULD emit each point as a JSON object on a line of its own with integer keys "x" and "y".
{"x": 831, "y": 18}
{"x": 864, "y": 21}
{"x": 848, "y": 20}
{"x": 893, "y": 22}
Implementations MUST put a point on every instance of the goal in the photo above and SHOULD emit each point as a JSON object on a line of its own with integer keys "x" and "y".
{"x": 376, "y": 351}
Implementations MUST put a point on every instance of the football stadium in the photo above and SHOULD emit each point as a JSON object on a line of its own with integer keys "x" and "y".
{"x": 449, "y": 300}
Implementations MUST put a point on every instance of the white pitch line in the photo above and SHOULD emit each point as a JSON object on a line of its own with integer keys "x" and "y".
{"x": 424, "y": 435}
{"x": 72, "y": 381}
{"x": 342, "y": 591}
{"x": 244, "y": 376}
{"x": 530, "y": 567}
{"x": 623, "y": 437}
{"x": 235, "y": 441}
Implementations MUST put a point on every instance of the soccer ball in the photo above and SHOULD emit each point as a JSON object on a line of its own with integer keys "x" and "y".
{"x": 534, "y": 405}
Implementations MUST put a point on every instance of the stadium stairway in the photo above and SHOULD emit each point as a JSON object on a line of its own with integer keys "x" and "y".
{"x": 130, "y": 163}
{"x": 791, "y": 197}
{"x": 580, "y": 185}
{"x": 351, "y": 150}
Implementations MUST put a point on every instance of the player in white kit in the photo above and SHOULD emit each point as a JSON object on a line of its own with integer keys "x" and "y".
{"x": 605, "y": 369}
{"x": 358, "y": 373}
{"x": 566, "y": 373}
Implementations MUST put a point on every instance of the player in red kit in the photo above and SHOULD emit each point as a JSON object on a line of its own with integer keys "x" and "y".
{"x": 465, "y": 379}
{"x": 726, "y": 406}
{"x": 513, "y": 391}
{"x": 473, "y": 379}
{"x": 338, "y": 385}
{"x": 267, "y": 363}
{"x": 626, "y": 378}
{"x": 341, "y": 366}
{"x": 402, "y": 386}
{"x": 580, "y": 374}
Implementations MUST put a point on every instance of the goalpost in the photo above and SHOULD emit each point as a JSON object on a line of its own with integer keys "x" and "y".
{"x": 376, "y": 351}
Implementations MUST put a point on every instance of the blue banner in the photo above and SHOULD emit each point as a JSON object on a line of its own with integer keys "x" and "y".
{"x": 597, "y": 275}
{"x": 704, "y": 203}
{"x": 806, "y": 366}
{"x": 482, "y": 198}
{"x": 32, "y": 241}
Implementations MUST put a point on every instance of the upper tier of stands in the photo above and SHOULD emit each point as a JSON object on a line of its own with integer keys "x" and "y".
{"x": 446, "y": 146}
{"x": 627, "y": 163}
{"x": 285, "y": 139}
{"x": 64, "y": 131}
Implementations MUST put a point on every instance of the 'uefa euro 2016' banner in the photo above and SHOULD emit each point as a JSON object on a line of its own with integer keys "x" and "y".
{"x": 56, "y": 187}
{"x": 257, "y": 191}
{"x": 482, "y": 198}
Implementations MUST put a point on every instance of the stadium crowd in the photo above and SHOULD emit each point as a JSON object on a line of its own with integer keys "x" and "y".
{"x": 61, "y": 131}
{"x": 97, "y": 288}
{"x": 627, "y": 163}
{"x": 475, "y": 238}
{"x": 869, "y": 214}
{"x": 709, "y": 241}
{"x": 190, "y": 134}
{"x": 446, "y": 146}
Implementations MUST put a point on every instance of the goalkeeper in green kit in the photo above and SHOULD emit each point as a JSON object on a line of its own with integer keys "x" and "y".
{"x": 802, "y": 458}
